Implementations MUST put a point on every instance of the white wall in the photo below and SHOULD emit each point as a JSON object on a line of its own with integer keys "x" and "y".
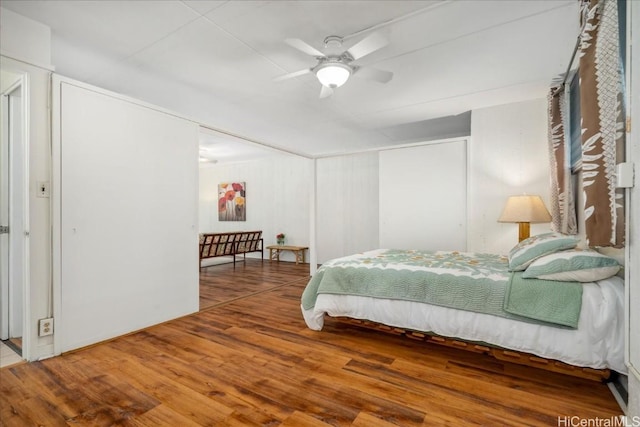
{"x": 7, "y": 78}
{"x": 347, "y": 205}
{"x": 38, "y": 292}
{"x": 423, "y": 197}
{"x": 29, "y": 42}
{"x": 508, "y": 156}
{"x": 277, "y": 198}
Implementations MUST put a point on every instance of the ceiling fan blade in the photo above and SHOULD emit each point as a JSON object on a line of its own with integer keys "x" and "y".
{"x": 367, "y": 45}
{"x": 325, "y": 92}
{"x": 292, "y": 75}
{"x": 304, "y": 47}
{"x": 375, "y": 74}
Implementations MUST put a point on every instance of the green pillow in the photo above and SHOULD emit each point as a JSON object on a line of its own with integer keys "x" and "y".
{"x": 527, "y": 251}
{"x": 573, "y": 266}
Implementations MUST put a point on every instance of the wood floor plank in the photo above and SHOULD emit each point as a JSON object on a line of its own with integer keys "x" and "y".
{"x": 409, "y": 403}
{"x": 113, "y": 400}
{"x": 176, "y": 397}
{"x": 300, "y": 419}
{"x": 34, "y": 411}
{"x": 161, "y": 415}
{"x": 459, "y": 392}
{"x": 51, "y": 385}
{"x": 226, "y": 282}
{"x": 366, "y": 419}
{"x": 248, "y": 359}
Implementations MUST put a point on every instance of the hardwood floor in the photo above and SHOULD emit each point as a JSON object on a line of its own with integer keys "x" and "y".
{"x": 223, "y": 283}
{"x": 249, "y": 360}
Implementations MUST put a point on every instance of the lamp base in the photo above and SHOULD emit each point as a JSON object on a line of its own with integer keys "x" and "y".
{"x": 523, "y": 231}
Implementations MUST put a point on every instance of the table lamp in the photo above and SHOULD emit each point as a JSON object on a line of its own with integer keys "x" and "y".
{"x": 525, "y": 210}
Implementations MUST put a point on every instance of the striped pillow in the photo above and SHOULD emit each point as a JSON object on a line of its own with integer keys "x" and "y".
{"x": 573, "y": 266}
{"x": 527, "y": 251}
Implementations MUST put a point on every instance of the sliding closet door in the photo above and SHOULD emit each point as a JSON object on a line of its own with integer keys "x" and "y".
{"x": 128, "y": 220}
{"x": 423, "y": 197}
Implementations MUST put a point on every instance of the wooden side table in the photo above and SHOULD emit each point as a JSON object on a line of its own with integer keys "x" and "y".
{"x": 298, "y": 251}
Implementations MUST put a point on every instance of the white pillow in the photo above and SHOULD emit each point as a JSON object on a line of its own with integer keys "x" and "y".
{"x": 573, "y": 266}
{"x": 525, "y": 252}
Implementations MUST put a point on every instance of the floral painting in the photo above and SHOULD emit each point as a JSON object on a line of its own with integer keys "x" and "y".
{"x": 232, "y": 201}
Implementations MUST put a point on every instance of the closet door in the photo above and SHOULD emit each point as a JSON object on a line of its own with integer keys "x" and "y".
{"x": 128, "y": 220}
{"x": 423, "y": 197}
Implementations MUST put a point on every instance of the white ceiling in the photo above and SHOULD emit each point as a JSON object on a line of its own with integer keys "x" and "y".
{"x": 215, "y": 61}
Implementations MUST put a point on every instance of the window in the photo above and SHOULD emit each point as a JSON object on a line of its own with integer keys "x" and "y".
{"x": 575, "y": 131}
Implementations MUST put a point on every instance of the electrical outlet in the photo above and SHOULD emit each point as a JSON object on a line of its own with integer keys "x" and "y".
{"x": 45, "y": 327}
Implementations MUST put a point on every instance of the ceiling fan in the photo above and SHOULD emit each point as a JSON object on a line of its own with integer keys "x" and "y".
{"x": 334, "y": 68}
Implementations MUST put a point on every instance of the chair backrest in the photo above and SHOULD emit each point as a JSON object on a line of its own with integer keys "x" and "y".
{"x": 228, "y": 243}
{"x": 249, "y": 241}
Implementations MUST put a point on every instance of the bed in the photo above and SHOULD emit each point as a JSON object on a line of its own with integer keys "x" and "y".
{"x": 511, "y": 302}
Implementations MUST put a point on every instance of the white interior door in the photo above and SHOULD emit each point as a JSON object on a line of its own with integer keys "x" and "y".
{"x": 12, "y": 202}
{"x": 423, "y": 197}
{"x": 4, "y": 220}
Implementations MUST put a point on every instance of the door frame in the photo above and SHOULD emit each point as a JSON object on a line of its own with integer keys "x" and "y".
{"x": 21, "y": 84}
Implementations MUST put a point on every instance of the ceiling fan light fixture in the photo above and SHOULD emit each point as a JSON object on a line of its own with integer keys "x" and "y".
{"x": 333, "y": 74}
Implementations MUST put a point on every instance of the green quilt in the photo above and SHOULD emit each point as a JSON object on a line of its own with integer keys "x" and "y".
{"x": 467, "y": 281}
{"x": 544, "y": 300}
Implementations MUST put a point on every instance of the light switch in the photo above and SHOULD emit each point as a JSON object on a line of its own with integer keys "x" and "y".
{"x": 43, "y": 189}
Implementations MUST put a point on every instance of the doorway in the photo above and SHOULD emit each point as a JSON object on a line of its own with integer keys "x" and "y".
{"x": 13, "y": 172}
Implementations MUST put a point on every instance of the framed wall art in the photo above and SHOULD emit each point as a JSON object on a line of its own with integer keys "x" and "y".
{"x": 232, "y": 202}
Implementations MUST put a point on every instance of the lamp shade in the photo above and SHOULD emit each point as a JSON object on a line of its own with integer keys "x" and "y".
{"x": 333, "y": 74}
{"x": 525, "y": 208}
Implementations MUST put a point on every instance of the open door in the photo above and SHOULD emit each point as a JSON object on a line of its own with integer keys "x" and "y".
{"x": 12, "y": 212}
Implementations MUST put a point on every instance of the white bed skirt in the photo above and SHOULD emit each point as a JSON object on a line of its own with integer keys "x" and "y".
{"x": 597, "y": 343}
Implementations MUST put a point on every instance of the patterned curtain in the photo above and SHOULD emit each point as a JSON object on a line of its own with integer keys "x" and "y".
{"x": 602, "y": 123}
{"x": 563, "y": 212}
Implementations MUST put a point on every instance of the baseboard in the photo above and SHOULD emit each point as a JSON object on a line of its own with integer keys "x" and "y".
{"x": 619, "y": 386}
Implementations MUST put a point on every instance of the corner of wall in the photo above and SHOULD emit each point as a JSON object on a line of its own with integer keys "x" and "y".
{"x": 508, "y": 155}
